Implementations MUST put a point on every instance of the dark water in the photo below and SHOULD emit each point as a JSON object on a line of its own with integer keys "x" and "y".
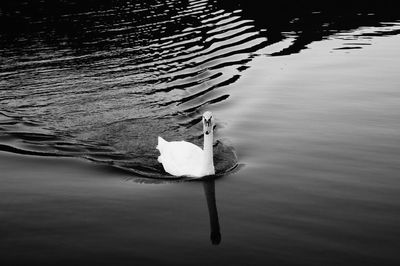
{"x": 307, "y": 94}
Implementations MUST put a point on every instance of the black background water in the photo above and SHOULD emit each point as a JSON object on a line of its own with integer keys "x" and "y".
{"x": 307, "y": 94}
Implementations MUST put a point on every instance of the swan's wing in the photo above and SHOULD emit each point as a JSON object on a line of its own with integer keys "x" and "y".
{"x": 180, "y": 158}
{"x": 183, "y": 152}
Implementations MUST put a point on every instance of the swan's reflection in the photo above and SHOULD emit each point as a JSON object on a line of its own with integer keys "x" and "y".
{"x": 209, "y": 190}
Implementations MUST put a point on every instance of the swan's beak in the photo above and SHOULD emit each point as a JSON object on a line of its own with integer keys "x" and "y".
{"x": 207, "y": 126}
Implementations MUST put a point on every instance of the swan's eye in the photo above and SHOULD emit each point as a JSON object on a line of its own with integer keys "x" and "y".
{"x": 207, "y": 120}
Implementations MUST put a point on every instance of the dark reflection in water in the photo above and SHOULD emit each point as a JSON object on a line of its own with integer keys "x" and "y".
{"x": 313, "y": 21}
{"x": 209, "y": 191}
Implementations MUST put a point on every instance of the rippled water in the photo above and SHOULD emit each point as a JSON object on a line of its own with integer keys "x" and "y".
{"x": 104, "y": 82}
{"x": 307, "y": 95}
{"x": 131, "y": 73}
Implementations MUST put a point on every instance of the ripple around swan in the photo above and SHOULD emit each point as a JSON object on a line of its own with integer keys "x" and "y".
{"x": 102, "y": 80}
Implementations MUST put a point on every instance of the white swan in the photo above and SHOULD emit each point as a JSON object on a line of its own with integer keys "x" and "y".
{"x": 181, "y": 158}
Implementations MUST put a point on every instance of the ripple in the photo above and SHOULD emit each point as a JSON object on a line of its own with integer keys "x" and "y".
{"x": 103, "y": 81}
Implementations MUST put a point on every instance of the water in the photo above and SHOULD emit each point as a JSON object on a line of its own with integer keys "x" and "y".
{"x": 306, "y": 95}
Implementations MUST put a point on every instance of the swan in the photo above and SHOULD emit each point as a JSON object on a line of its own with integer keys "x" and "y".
{"x": 181, "y": 158}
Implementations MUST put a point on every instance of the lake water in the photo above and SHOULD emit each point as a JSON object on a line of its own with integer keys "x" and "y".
{"x": 307, "y": 96}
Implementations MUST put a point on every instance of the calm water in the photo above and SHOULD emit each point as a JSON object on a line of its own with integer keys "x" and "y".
{"x": 307, "y": 95}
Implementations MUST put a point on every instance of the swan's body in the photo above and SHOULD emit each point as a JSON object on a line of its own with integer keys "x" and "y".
{"x": 181, "y": 158}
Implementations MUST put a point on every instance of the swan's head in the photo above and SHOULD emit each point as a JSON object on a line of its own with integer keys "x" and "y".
{"x": 208, "y": 123}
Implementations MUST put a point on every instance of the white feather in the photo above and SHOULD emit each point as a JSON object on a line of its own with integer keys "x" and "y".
{"x": 181, "y": 158}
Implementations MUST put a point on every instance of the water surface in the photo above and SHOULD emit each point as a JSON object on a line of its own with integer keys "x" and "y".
{"x": 307, "y": 96}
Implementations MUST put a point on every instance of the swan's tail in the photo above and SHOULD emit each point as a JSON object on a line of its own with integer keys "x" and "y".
{"x": 161, "y": 143}
{"x": 160, "y": 147}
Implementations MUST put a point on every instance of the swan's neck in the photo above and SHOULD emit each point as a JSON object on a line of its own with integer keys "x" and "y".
{"x": 208, "y": 154}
